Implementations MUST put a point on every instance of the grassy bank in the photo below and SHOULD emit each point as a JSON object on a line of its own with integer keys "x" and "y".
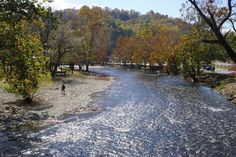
{"x": 228, "y": 87}
{"x": 225, "y": 84}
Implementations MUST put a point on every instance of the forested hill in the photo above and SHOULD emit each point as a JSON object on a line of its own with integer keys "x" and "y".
{"x": 122, "y": 23}
{"x": 127, "y": 23}
{"x": 130, "y": 18}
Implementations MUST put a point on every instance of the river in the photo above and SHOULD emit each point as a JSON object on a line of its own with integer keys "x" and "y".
{"x": 144, "y": 115}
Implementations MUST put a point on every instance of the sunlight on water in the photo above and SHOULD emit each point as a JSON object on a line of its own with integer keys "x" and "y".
{"x": 146, "y": 116}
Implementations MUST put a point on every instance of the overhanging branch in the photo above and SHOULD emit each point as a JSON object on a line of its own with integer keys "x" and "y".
{"x": 232, "y": 24}
{"x": 208, "y": 21}
{"x": 226, "y": 34}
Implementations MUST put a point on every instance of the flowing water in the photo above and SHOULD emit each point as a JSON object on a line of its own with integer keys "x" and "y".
{"x": 145, "y": 115}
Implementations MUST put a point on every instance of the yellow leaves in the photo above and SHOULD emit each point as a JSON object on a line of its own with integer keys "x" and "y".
{"x": 147, "y": 46}
{"x": 138, "y": 54}
{"x": 84, "y": 11}
{"x": 144, "y": 33}
{"x": 93, "y": 31}
{"x": 92, "y": 16}
{"x": 153, "y": 58}
{"x": 30, "y": 45}
{"x": 222, "y": 12}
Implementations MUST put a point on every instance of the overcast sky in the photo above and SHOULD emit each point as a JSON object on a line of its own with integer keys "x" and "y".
{"x": 166, "y": 7}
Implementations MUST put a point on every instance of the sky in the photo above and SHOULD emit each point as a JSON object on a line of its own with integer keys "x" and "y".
{"x": 166, "y": 7}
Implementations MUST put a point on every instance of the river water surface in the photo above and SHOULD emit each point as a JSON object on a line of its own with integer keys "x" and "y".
{"x": 145, "y": 115}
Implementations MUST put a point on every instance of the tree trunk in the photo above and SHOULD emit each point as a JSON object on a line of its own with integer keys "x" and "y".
{"x": 131, "y": 62}
{"x": 56, "y": 66}
{"x": 145, "y": 64}
{"x": 28, "y": 100}
{"x": 54, "y": 70}
{"x": 60, "y": 54}
{"x": 87, "y": 66}
{"x": 231, "y": 53}
{"x": 80, "y": 67}
{"x": 194, "y": 76}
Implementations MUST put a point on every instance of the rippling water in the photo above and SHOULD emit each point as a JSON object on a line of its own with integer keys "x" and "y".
{"x": 145, "y": 115}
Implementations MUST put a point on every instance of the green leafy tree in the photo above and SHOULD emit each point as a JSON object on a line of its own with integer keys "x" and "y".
{"x": 46, "y": 24}
{"x": 62, "y": 43}
{"x": 20, "y": 50}
{"x": 193, "y": 54}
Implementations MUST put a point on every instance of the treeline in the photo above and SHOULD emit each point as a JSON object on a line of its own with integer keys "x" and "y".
{"x": 182, "y": 47}
{"x": 35, "y": 41}
{"x": 172, "y": 44}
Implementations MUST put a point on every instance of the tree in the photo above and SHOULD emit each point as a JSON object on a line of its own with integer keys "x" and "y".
{"x": 119, "y": 52}
{"x": 14, "y": 11}
{"x": 58, "y": 36}
{"x": 61, "y": 43}
{"x": 216, "y": 17}
{"x": 167, "y": 40}
{"x": 145, "y": 34}
{"x": 193, "y": 54}
{"x": 20, "y": 49}
{"x": 101, "y": 44}
{"x": 91, "y": 22}
{"x": 47, "y": 23}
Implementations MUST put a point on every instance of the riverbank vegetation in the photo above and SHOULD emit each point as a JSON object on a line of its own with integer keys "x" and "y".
{"x": 227, "y": 86}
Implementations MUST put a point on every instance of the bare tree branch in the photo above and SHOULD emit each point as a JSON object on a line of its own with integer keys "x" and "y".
{"x": 216, "y": 29}
{"x": 208, "y": 21}
{"x": 232, "y": 24}
{"x": 211, "y": 16}
{"x": 226, "y": 34}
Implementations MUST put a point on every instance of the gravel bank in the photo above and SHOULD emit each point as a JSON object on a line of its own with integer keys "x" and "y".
{"x": 78, "y": 94}
{"x": 50, "y": 103}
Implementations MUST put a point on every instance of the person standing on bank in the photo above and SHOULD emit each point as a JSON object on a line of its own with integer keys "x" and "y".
{"x": 63, "y": 89}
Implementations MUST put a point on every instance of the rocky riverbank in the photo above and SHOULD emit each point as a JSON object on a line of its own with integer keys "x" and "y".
{"x": 228, "y": 87}
{"x": 224, "y": 84}
{"x": 49, "y": 103}
{"x": 78, "y": 94}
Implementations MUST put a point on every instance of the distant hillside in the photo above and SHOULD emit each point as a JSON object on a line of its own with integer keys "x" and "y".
{"x": 126, "y": 22}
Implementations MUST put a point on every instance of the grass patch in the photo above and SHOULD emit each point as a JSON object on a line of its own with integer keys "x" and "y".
{"x": 228, "y": 87}
{"x": 86, "y": 73}
{"x": 223, "y": 83}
